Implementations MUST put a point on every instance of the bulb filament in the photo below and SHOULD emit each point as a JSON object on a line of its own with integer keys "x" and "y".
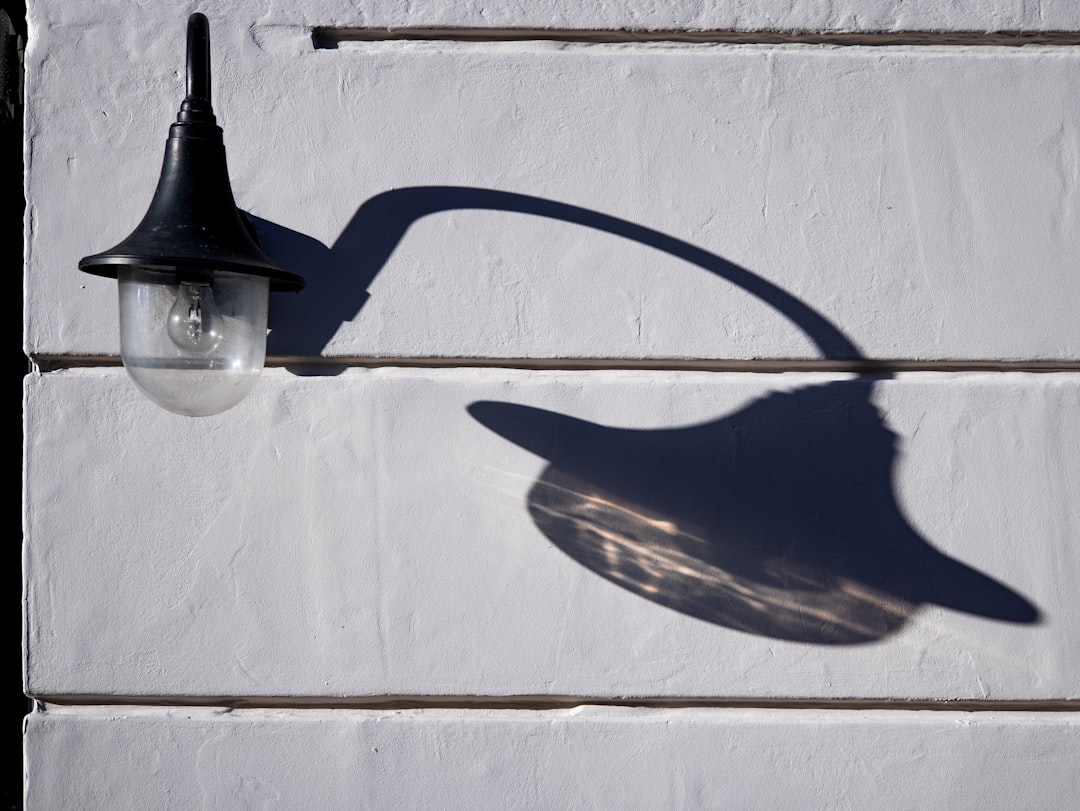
{"x": 195, "y": 322}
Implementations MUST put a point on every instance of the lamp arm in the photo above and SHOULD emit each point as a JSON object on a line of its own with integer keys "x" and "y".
{"x": 197, "y": 107}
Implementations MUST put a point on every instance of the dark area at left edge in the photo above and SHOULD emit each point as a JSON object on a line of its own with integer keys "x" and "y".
{"x": 13, "y": 704}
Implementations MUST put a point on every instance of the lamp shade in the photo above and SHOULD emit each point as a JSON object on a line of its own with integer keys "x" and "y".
{"x": 193, "y": 223}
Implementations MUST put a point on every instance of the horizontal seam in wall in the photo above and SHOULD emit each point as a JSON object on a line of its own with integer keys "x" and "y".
{"x": 393, "y": 702}
{"x": 327, "y": 37}
{"x": 320, "y": 366}
{"x": 866, "y": 366}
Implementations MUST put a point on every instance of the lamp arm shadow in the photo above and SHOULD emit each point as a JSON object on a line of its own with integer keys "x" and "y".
{"x": 378, "y": 226}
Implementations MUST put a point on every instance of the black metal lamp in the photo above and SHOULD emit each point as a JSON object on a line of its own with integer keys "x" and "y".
{"x": 194, "y": 283}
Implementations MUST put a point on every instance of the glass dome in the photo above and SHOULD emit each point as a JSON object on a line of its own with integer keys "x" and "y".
{"x": 194, "y": 345}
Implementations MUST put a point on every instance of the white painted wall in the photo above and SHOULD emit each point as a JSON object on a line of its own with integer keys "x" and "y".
{"x": 650, "y": 513}
{"x": 590, "y": 757}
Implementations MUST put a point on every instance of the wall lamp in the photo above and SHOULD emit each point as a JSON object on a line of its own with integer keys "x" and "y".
{"x": 194, "y": 283}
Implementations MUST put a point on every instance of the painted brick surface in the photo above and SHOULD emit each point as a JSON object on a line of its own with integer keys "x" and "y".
{"x": 131, "y": 758}
{"x": 488, "y": 532}
{"x": 690, "y": 15}
{"x": 470, "y": 535}
{"x": 549, "y": 201}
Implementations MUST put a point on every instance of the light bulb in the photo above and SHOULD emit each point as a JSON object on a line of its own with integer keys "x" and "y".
{"x": 193, "y": 347}
{"x": 195, "y": 322}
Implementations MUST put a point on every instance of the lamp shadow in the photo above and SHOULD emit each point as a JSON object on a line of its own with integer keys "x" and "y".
{"x": 338, "y": 277}
{"x": 779, "y": 519}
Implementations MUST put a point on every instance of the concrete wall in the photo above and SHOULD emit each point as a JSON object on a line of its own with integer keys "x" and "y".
{"x": 682, "y": 412}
